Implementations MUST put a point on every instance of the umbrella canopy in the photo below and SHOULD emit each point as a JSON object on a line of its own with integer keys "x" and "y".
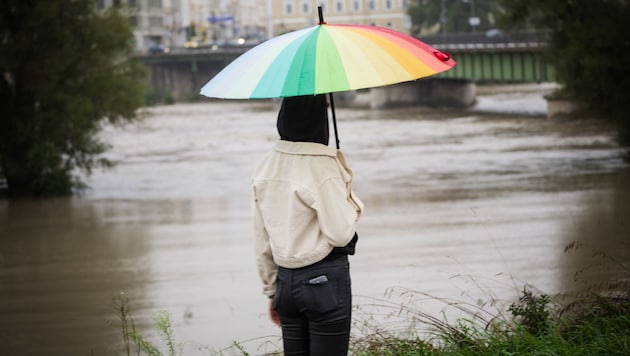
{"x": 324, "y": 59}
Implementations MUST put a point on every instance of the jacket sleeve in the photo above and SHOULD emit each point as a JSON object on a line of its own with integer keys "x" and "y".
{"x": 267, "y": 268}
{"x": 338, "y": 209}
{"x": 347, "y": 176}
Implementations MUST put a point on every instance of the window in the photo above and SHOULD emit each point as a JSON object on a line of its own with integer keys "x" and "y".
{"x": 155, "y": 4}
{"x": 339, "y": 5}
{"x": 156, "y": 21}
{"x": 100, "y": 4}
{"x": 306, "y": 7}
{"x": 405, "y": 4}
{"x": 133, "y": 20}
{"x": 323, "y": 5}
{"x": 356, "y": 5}
{"x": 388, "y": 4}
{"x": 288, "y": 7}
{"x": 372, "y": 4}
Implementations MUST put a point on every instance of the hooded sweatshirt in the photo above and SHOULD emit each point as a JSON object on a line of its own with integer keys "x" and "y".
{"x": 302, "y": 191}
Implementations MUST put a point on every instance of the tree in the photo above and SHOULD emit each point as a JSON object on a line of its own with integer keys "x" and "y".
{"x": 429, "y": 14}
{"x": 589, "y": 48}
{"x": 65, "y": 68}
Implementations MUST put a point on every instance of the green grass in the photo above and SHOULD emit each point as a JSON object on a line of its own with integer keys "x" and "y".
{"x": 595, "y": 322}
{"x": 533, "y": 325}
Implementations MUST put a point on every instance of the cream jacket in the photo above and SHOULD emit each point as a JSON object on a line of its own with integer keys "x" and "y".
{"x": 303, "y": 207}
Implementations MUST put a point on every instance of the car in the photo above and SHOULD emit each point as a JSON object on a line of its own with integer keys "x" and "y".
{"x": 495, "y": 34}
{"x": 158, "y": 49}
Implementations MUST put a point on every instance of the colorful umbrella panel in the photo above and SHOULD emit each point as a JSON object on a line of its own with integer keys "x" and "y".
{"x": 326, "y": 59}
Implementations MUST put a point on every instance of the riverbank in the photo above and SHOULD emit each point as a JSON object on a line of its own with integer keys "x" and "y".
{"x": 533, "y": 324}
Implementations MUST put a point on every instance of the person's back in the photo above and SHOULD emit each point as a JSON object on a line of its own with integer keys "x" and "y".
{"x": 305, "y": 217}
{"x": 293, "y": 188}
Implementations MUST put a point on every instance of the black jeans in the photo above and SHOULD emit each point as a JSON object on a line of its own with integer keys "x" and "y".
{"x": 315, "y": 307}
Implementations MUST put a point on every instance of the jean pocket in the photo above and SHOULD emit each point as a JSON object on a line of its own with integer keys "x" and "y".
{"x": 321, "y": 298}
{"x": 276, "y": 298}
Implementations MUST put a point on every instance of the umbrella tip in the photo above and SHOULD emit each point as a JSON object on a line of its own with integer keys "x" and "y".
{"x": 321, "y": 15}
{"x": 443, "y": 56}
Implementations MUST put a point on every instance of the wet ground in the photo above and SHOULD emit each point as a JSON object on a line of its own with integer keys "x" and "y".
{"x": 462, "y": 205}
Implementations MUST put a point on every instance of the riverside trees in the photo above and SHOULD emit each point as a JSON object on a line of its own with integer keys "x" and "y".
{"x": 64, "y": 70}
{"x": 452, "y": 15}
{"x": 590, "y": 49}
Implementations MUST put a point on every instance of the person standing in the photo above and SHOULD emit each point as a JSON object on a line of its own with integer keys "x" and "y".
{"x": 305, "y": 216}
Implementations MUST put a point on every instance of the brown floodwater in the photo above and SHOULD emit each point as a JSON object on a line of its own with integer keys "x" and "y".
{"x": 462, "y": 206}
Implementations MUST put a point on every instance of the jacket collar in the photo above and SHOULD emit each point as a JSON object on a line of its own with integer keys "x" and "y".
{"x": 305, "y": 148}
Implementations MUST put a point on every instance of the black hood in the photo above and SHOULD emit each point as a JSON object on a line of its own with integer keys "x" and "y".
{"x": 304, "y": 119}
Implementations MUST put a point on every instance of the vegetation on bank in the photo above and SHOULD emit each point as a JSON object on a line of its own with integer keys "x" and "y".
{"x": 588, "y": 46}
{"x": 595, "y": 324}
{"x": 66, "y": 68}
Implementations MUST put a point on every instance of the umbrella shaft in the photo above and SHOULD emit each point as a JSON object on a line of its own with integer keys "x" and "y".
{"x": 334, "y": 117}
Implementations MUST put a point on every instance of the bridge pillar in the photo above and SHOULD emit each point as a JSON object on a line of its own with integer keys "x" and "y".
{"x": 434, "y": 92}
{"x": 560, "y": 107}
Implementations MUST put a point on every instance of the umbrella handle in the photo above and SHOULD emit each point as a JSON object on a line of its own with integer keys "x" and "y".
{"x": 334, "y": 117}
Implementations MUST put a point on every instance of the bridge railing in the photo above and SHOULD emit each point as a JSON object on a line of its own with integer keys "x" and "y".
{"x": 516, "y": 57}
{"x": 490, "y": 40}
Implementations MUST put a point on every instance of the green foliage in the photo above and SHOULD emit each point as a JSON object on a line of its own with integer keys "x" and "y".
{"x": 595, "y": 325}
{"x": 131, "y": 336}
{"x": 533, "y": 312}
{"x": 143, "y": 346}
{"x": 589, "y": 47}
{"x": 429, "y": 14}
{"x": 163, "y": 322}
{"x": 394, "y": 347}
{"x": 65, "y": 68}
{"x": 601, "y": 326}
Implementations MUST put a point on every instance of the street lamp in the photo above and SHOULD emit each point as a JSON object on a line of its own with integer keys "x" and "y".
{"x": 473, "y": 20}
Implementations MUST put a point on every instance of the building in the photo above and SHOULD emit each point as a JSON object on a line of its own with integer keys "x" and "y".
{"x": 289, "y": 15}
{"x": 251, "y": 19}
{"x": 150, "y": 19}
{"x": 175, "y": 23}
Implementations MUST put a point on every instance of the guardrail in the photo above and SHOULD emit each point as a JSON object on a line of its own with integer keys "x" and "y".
{"x": 487, "y": 42}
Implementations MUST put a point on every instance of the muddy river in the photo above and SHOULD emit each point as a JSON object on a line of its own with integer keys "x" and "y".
{"x": 466, "y": 206}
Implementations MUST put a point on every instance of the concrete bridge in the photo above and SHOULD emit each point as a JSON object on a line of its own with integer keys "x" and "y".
{"x": 180, "y": 74}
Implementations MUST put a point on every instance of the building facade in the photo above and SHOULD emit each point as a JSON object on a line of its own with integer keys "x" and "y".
{"x": 174, "y": 23}
{"x": 152, "y": 20}
{"x": 290, "y": 15}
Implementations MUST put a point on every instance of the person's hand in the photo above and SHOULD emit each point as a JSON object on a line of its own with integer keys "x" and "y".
{"x": 275, "y": 318}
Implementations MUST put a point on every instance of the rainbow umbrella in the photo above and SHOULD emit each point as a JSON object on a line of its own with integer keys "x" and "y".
{"x": 326, "y": 59}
